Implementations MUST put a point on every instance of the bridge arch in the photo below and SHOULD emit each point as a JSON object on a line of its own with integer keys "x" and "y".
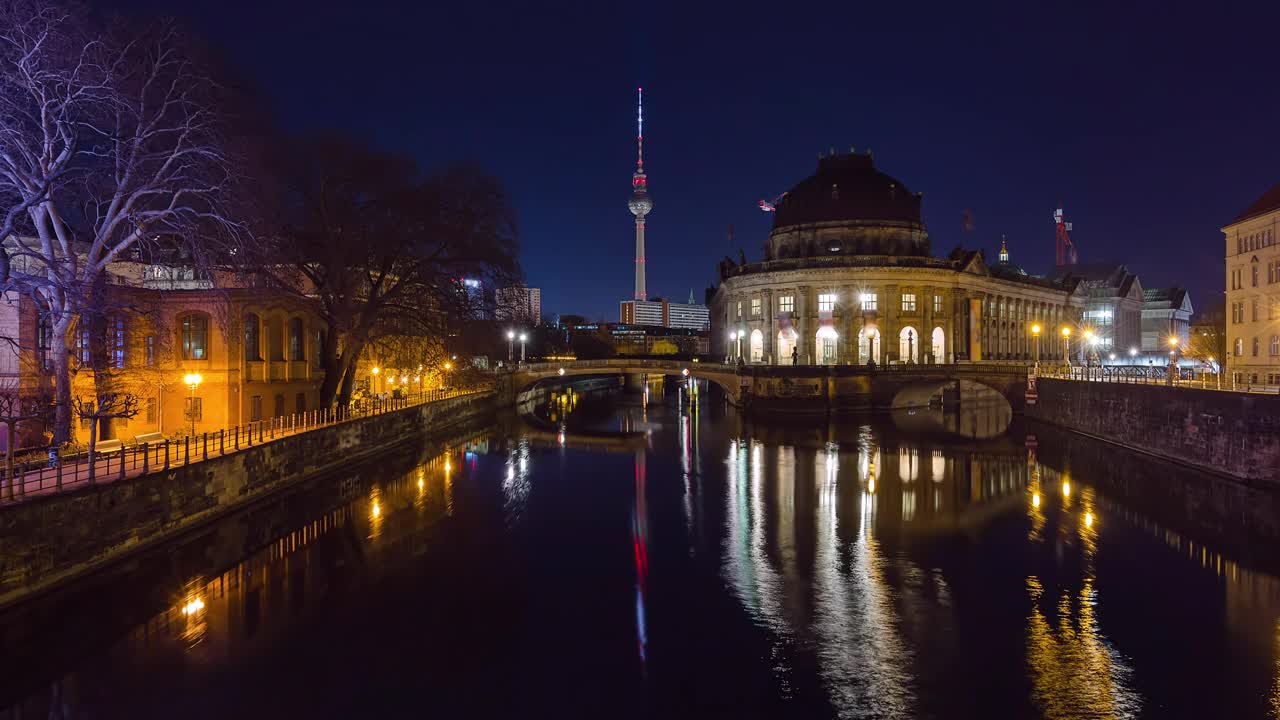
{"x": 920, "y": 393}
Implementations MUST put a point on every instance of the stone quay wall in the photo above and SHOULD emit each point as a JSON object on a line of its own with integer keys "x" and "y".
{"x": 52, "y": 539}
{"x": 1230, "y": 433}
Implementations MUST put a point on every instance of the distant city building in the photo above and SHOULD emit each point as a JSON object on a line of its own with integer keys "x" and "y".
{"x": 1253, "y": 292}
{"x": 519, "y": 304}
{"x": 649, "y": 340}
{"x": 1113, "y": 305}
{"x": 664, "y": 313}
{"x": 1166, "y": 313}
{"x": 477, "y": 305}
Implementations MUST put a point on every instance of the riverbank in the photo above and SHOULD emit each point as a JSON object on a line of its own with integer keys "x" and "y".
{"x": 55, "y": 539}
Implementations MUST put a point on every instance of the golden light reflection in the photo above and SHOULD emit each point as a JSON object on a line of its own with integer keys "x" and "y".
{"x": 1035, "y": 500}
{"x": 1088, "y": 519}
{"x": 1075, "y": 671}
{"x": 1066, "y": 489}
{"x": 193, "y": 606}
{"x": 375, "y": 512}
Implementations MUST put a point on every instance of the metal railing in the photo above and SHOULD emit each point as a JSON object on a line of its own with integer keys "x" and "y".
{"x": 1137, "y": 375}
{"x": 32, "y": 479}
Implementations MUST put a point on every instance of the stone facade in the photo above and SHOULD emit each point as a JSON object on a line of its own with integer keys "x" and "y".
{"x": 840, "y": 311}
{"x": 1253, "y": 293}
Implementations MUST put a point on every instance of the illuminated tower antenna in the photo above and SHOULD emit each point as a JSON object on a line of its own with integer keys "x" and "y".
{"x": 1065, "y": 250}
{"x": 640, "y": 203}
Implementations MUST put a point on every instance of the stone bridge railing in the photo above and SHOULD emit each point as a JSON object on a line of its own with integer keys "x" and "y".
{"x": 801, "y": 388}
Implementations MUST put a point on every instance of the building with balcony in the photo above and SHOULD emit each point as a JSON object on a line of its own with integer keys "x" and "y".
{"x": 849, "y": 277}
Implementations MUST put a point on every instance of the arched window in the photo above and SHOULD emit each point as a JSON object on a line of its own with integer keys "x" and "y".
{"x": 757, "y": 346}
{"x": 787, "y": 354}
{"x": 869, "y": 346}
{"x": 297, "y": 345}
{"x": 252, "y": 337}
{"x": 939, "y": 350}
{"x": 195, "y": 337}
{"x": 909, "y": 345}
{"x": 826, "y": 345}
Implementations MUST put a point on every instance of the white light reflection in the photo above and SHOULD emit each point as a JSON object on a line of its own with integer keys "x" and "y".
{"x": 515, "y": 487}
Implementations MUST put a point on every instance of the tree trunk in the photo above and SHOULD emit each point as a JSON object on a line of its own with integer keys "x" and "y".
{"x": 61, "y": 381}
{"x": 348, "y": 381}
{"x": 93, "y": 442}
{"x": 8, "y": 457}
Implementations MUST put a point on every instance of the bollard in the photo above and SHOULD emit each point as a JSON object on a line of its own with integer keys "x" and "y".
{"x": 121, "y": 464}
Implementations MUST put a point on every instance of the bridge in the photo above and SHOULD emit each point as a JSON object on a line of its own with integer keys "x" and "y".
{"x": 801, "y": 388}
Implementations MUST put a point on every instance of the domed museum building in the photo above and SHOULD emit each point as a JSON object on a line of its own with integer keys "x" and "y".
{"x": 849, "y": 277}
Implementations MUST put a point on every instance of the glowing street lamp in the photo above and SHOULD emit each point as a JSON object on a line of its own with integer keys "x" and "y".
{"x": 523, "y": 338}
{"x": 511, "y": 337}
{"x": 1035, "y": 332}
{"x": 1066, "y": 345}
{"x": 192, "y": 380}
{"x": 733, "y": 338}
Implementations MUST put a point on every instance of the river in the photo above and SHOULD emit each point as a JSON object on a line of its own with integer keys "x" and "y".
{"x": 617, "y": 555}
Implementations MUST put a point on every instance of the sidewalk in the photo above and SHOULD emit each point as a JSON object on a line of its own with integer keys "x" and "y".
{"x": 134, "y": 461}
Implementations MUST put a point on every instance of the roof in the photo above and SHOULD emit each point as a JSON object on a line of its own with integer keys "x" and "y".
{"x": 1269, "y": 201}
{"x": 847, "y": 187}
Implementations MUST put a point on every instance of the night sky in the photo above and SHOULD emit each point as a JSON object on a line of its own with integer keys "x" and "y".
{"x": 1153, "y": 123}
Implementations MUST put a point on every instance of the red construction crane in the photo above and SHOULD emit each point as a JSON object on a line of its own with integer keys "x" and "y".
{"x": 1066, "y": 252}
{"x": 771, "y": 205}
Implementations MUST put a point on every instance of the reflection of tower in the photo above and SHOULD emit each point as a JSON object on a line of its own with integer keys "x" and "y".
{"x": 640, "y": 203}
{"x": 640, "y": 547}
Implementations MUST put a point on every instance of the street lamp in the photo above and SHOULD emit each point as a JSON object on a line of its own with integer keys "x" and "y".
{"x": 192, "y": 380}
{"x": 1066, "y": 345}
{"x": 733, "y": 338}
{"x": 511, "y": 336}
{"x": 1035, "y": 332}
{"x": 523, "y": 338}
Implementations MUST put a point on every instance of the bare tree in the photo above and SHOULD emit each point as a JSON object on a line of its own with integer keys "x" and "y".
{"x": 381, "y": 253}
{"x": 110, "y": 146}
{"x": 106, "y": 406}
{"x": 17, "y": 407}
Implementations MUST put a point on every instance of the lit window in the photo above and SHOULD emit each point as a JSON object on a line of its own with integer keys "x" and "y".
{"x": 83, "y": 336}
{"x": 755, "y": 306}
{"x": 1275, "y": 345}
{"x": 117, "y": 342}
{"x": 908, "y": 302}
{"x": 786, "y": 304}
{"x": 1239, "y": 347}
{"x": 195, "y": 337}
{"x": 826, "y": 302}
{"x": 868, "y": 301}
{"x": 937, "y": 303}
{"x": 739, "y": 308}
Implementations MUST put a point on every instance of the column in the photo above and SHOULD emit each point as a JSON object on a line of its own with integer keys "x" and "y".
{"x": 804, "y": 343}
{"x": 766, "y": 327}
{"x": 926, "y": 332}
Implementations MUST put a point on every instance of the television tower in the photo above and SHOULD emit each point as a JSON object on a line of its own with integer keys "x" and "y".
{"x": 1065, "y": 251}
{"x": 640, "y": 203}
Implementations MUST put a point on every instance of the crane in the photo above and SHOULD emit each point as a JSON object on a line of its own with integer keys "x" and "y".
{"x": 1066, "y": 251}
{"x": 771, "y": 205}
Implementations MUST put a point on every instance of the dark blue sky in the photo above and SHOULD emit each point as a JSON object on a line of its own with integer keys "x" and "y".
{"x": 1154, "y": 123}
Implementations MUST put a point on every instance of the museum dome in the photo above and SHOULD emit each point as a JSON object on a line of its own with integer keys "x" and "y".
{"x": 848, "y": 207}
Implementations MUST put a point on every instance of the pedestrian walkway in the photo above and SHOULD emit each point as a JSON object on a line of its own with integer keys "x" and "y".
{"x": 136, "y": 460}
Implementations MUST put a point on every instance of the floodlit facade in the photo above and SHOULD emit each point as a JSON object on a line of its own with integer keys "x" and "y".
{"x": 849, "y": 278}
{"x": 1253, "y": 293}
{"x": 1166, "y": 314}
{"x": 664, "y": 313}
{"x": 257, "y": 353}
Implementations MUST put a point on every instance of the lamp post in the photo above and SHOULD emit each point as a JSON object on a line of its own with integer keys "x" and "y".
{"x": 1214, "y": 369}
{"x": 1171, "y": 375}
{"x": 523, "y": 338}
{"x": 511, "y": 337}
{"x": 192, "y": 380}
{"x": 1035, "y": 333}
{"x": 733, "y": 349}
{"x": 1066, "y": 345}
{"x": 373, "y": 385}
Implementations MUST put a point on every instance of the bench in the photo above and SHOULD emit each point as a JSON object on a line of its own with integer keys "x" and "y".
{"x": 104, "y": 447}
{"x": 151, "y": 438}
